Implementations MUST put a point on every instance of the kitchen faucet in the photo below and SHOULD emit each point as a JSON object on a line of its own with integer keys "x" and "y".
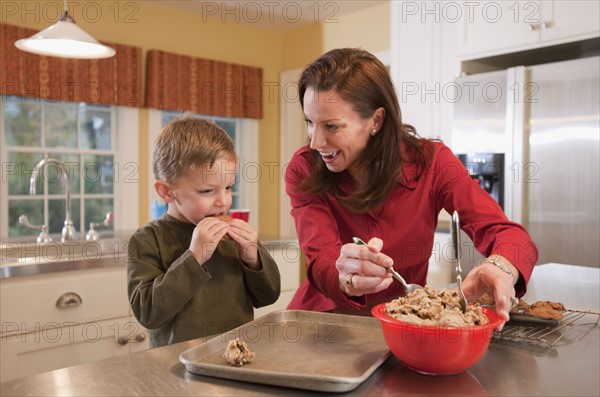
{"x": 68, "y": 231}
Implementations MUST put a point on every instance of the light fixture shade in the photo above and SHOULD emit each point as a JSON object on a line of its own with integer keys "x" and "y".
{"x": 65, "y": 39}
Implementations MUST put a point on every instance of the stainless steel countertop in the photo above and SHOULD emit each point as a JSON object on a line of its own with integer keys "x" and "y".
{"x": 507, "y": 369}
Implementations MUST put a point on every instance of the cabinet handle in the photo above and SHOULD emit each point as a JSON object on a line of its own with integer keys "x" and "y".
{"x": 547, "y": 24}
{"x": 534, "y": 26}
{"x": 140, "y": 337}
{"x": 69, "y": 299}
{"x": 123, "y": 340}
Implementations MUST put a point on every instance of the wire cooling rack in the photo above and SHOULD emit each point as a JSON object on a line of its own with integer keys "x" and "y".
{"x": 550, "y": 336}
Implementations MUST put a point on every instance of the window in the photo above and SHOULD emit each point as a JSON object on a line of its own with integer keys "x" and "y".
{"x": 84, "y": 138}
{"x": 244, "y": 133}
{"x": 231, "y": 126}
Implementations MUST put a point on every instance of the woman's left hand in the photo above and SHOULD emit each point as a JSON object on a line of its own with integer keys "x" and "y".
{"x": 362, "y": 269}
{"x": 488, "y": 277}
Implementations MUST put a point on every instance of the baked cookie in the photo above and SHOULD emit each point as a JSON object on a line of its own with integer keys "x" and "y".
{"x": 520, "y": 307}
{"x": 224, "y": 218}
{"x": 546, "y": 309}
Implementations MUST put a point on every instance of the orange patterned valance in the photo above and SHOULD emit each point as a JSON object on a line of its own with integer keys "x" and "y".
{"x": 110, "y": 81}
{"x": 184, "y": 83}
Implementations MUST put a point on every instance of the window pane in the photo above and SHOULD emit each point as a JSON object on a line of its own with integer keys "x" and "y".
{"x": 98, "y": 174}
{"x": 18, "y": 172}
{"x": 60, "y": 125}
{"x": 56, "y": 179}
{"x": 34, "y": 209}
{"x": 95, "y": 211}
{"x": 228, "y": 126}
{"x": 95, "y": 128}
{"x": 57, "y": 214}
{"x": 235, "y": 203}
{"x": 22, "y": 121}
{"x": 168, "y": 116}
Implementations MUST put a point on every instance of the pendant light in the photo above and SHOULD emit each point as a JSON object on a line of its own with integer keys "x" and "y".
{"x": 65, "y": 39}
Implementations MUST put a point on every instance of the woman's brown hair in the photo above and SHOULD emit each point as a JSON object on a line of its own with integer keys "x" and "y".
{"x": 360, "y": 78}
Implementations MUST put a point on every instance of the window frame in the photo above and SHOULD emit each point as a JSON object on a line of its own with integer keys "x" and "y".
{"x": 124, "y": 134}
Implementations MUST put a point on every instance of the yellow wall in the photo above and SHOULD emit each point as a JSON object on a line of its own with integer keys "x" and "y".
{"x": 368, "y": 29}
{"x": 148, "y": 26}
{"x": 301, "y": 46}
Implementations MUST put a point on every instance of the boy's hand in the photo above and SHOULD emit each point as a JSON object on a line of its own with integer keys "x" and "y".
{"x": 246, "y": 238}
{"x": 207, "y": 234}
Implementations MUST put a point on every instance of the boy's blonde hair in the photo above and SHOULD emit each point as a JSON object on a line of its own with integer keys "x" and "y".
{"x": 187, "y": 143}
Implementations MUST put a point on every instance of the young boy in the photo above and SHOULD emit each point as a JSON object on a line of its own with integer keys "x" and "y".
{"x": 185, "y": 280}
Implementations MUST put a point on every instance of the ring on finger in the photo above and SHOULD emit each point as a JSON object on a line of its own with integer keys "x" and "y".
{"x": 514, "y": 301}
{"x": 349, "y": 280}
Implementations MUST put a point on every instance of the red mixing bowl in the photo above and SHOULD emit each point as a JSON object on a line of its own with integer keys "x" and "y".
{"x": 436, "y": 350}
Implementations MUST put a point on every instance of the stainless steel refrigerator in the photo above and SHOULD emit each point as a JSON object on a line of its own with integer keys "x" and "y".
{"x": 545, "y": 119}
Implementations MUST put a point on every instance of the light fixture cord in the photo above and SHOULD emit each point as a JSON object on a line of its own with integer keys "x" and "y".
{"x": 66, "y": 17}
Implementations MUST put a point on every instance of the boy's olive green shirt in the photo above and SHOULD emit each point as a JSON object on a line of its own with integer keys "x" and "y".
{"x": 178, "y": 299}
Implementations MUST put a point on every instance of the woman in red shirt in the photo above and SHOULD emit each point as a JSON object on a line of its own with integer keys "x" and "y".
{"x": 366, "y": 174}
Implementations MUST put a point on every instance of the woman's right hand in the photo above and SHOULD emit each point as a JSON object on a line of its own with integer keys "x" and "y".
{"x": 362, "y": 269}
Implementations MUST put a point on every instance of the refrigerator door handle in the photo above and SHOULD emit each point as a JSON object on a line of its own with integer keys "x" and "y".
{"x": 516, "y": 116}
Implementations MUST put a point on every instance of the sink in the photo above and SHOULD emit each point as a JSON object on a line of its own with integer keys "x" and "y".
{"x": 29, "y": 258}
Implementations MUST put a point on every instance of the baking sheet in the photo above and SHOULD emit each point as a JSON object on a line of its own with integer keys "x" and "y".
{"x": 298, "y": 349}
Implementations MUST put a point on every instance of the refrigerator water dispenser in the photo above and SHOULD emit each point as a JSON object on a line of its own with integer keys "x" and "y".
{"x": 488, "y": 168}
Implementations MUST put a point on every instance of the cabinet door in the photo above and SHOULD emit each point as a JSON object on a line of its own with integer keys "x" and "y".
{"x": 492, "y": 27}
{"x": 413, "y": 69}
{"x": 570, "y": 20}
{"x": 424, "y": 64}
{"x": 440, "y": 262}
{"x": 54, "y": 347}
{"x": 288, "y": 255}
{"x": 74, "y": 296}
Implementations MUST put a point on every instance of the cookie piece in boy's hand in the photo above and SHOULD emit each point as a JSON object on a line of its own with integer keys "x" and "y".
{"x": 224, "y": 218}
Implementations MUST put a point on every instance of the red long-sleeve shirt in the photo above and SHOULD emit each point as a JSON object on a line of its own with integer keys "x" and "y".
{"x": 406, "y": 223}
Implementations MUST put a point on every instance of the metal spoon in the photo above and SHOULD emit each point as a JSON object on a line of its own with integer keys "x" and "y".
{"x": 456, "y": 245}
{"x": 408, "y": 288}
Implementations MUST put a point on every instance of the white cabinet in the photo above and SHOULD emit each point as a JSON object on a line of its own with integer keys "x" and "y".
{"x": 439, "y": 273}
{"x": 66, "y": 318}
{"x": 288, "y": 255}
{"x": 568, "y": 20}
{"x": 59, "y": 345}
{"x": 424, "y": 65}
{"x": 495, "y": 27}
